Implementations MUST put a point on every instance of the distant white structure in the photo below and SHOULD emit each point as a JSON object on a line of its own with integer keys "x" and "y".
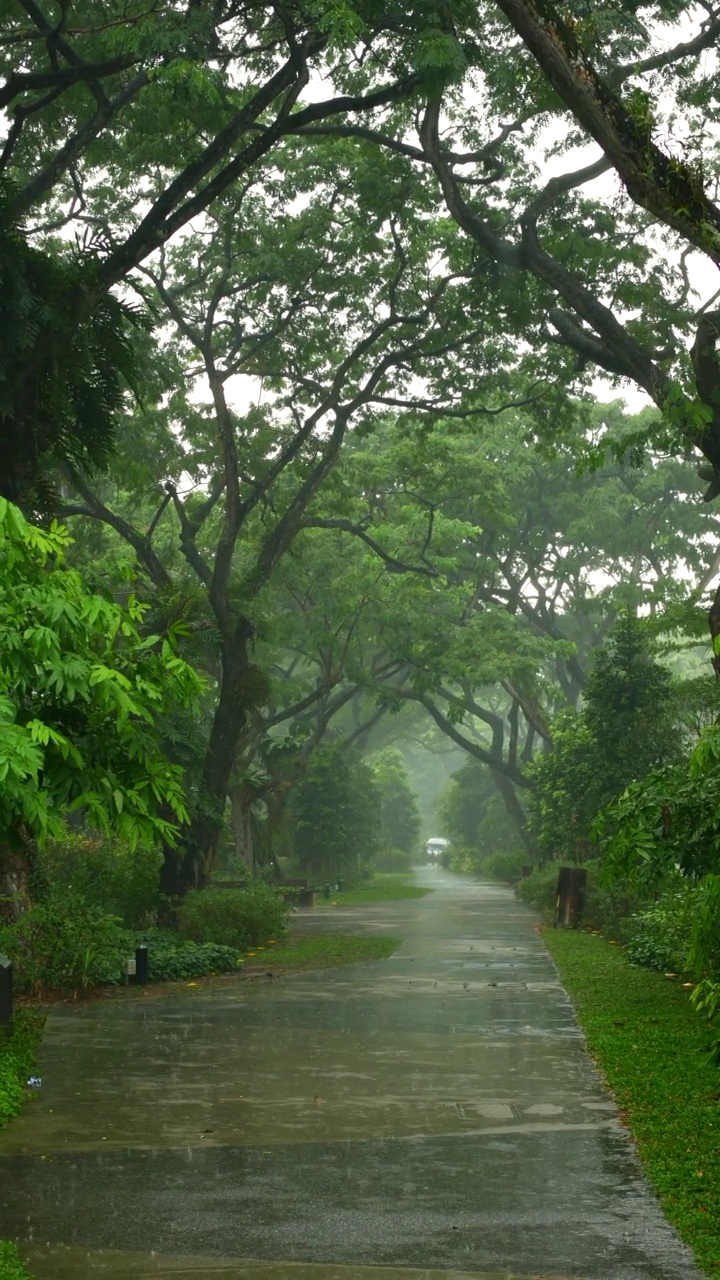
{"x": 436, "y": 846}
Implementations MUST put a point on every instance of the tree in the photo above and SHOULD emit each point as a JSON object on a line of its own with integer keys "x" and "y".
{"x": 399, "y": 817}
{"x": 335, "y": 815}
{"x": 82, "y": 694}
{"x": 472, "y": 814}
{"x": 261, "y": 473}
{"x": 627, "y": 727}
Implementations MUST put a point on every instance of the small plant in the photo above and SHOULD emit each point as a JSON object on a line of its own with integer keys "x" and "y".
{"x": 237, "y": 918}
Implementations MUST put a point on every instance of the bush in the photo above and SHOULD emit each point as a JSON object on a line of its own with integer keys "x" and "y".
{"x": 108, "y": 874}
{"x": 539, "y": 890}
{"x": 65, "y": 944}
{"x": 168, "y": 962}
{"x": 466, "y": 859}
{"x": 505, "y": 866}
{"x": 17, "y": 1059}
{"x": 237, "y": 918}
{"x": 395, "y": 860}
{"x": 11, "y": 1267}
{"x": 608, "y": 908}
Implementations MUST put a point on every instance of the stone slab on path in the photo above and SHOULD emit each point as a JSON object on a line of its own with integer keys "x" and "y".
{"x": 430, "y": 1114}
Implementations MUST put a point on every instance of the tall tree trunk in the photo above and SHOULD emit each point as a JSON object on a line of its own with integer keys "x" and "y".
{"x": 242, "y": 686}
{"x": 243, "y": 825}
{"x": 515, "y": 811}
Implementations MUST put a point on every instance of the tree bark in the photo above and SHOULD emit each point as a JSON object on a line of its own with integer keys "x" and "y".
{"x": 515, "y": 810}
{"x": 243, "y": 825}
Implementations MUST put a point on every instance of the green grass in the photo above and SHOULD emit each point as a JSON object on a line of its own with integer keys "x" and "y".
{"x": 320, "y": 951}
{"x": 17, "y": 1060}
{"x": 650, "y": 1046}
{"x": 390, "y": 886}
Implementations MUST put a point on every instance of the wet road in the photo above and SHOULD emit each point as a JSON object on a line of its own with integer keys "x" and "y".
{"x": 432, "y": 1114}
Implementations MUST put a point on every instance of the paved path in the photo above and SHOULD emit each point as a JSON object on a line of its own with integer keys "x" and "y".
{"x": 431, "y": 1115}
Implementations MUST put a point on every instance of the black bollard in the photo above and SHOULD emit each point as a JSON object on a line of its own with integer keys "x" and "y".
{"x": 6, "y": 993}
{"x": 141, "y": 965}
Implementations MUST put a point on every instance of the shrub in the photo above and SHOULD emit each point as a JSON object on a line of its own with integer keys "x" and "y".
{"x": 168, "y": 962}
{"x": 661, "y": 934}
{"x": 11, "y": 1267}
{"x": 17, "y": 1059}
{"x": 65, "y": 944}
{"x": 394, "y": 860}
{"x": 608, "y": 908}
{"x": 106, "y": 873}
{"x": 504, "y": 865}
{"x": 238, "y": 918}
{"x": 539, "y": 890}
{"x": 465, "y": 859}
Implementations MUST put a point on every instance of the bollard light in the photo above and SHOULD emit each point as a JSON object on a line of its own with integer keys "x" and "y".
{"x": 6, "y": 993}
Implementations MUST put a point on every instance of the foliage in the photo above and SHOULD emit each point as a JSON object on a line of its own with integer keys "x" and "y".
{"x": 505, "y": 865}
{"x": 649, "y": 1045}
{"x": 81, "y": 691}
{"x": 18, "y": 1053}
{"x": 238, "y": 918}
{"x": 107, "y": 874}
{"x": 65, "y": 944}
{"x": 11, "y": 1265}
{"x": 609, "y": 908}
{"x": 661, "y": 933}
{"x": 335, "y": 815}
{"x": 175, "y": 960}
{"x": 399, "y": 816}
{"x": 471, "y": 812}
{"x": 565, "y": 799}
{"x": 17, "y": 1058}
{"x": 629, "y": 709}
{"x": 395, "y": 860}
{"x": 626, "y": 727}
{"x": 67, "y": 360}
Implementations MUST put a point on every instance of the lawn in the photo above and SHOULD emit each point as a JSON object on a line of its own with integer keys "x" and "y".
{"x": 649, "y": 1044}
{"x": 391, "y": 886}
{"x": 318, "y": 951}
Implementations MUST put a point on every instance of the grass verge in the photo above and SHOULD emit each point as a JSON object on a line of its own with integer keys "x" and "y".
{"x": 318, "y": 951}
{"x": 389, "y": 886}
{"x": 650, "y": 1046}
{"x": 17, "y": 1060}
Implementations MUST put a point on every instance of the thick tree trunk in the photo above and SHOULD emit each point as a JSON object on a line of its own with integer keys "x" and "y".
{"x": 515, "y": 811}
{"x": 243, "y": 825}
{"x": 242, "y": 686}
